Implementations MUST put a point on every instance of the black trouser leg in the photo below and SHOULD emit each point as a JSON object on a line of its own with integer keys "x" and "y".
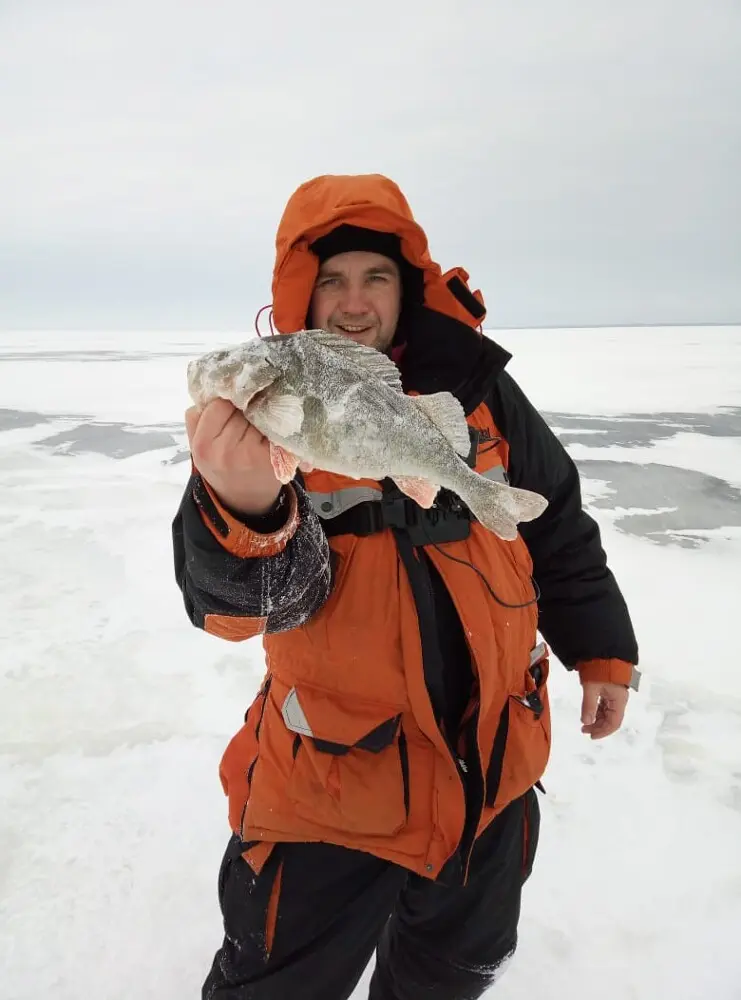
{"x": 305, "y": 928}
{"x": 452, "y": 943}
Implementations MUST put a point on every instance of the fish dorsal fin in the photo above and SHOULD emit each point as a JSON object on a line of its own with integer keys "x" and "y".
{"x": 375, "y": 363}
{"x": 447, "y": 414}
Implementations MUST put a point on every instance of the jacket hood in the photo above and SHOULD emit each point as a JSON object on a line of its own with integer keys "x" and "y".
{"x": 373, "y": 202}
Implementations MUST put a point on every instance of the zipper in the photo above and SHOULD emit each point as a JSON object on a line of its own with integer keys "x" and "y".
{"x": 460, "y": 764}
{"x": 413, "y": 559}
{"x": 491, "y": 787}
{"x": 404, "y": 760}
{"x": 473, "y": 819}
{"x": 265, "y": 691}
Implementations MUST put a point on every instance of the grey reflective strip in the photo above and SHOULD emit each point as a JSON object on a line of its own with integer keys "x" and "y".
{"x": 496, "y": 473}
{"x": 293, "y": 715}
{"x": 537, "y": 653}
{"x": 329, "y": 505}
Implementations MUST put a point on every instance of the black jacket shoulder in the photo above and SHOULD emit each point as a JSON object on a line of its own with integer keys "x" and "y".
{"x": 583, "y": 614}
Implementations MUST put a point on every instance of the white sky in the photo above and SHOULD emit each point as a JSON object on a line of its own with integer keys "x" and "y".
{"x": 581, "y": 158}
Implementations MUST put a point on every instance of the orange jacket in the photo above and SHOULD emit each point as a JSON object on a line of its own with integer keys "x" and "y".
{"x": 342, "y": 744}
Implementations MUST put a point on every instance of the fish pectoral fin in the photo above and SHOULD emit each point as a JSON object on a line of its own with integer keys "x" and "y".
{"x": 284, "y": 463}
{"x": 373, "y": 363}
{"x": 283, "y": 414}
{"x": 447, "y": 414}
{"x": 422, "y": 491}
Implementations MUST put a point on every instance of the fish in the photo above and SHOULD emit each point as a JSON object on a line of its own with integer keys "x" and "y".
{"x": 326, "y": 401}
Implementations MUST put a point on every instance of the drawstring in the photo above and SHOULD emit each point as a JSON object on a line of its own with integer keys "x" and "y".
{"x": 270, "y": 320}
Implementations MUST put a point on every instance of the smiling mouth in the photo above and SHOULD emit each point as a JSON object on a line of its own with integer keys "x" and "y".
{"x": 352, "y": 328}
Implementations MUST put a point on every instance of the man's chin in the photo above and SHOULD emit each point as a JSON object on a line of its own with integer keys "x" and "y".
{"x": 366, "y": 337}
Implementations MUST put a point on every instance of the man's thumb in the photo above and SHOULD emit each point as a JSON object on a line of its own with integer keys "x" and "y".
{"x": 192, "y": 416}
{"x": 590, "y": 701}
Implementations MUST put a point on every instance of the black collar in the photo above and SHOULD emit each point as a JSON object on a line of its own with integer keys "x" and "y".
{"x": 445, "y": 355}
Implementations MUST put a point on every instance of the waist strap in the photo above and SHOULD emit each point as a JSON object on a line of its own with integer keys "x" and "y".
{"x": 448, "y": 521}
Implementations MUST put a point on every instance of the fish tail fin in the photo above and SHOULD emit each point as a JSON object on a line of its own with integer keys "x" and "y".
{"x": 500, "y": 507}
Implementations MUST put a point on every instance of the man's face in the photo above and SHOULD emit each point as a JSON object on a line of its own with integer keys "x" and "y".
{"x": 358, "y": 294}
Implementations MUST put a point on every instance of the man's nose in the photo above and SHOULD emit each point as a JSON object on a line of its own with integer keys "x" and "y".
{"x": 355, "y": 300}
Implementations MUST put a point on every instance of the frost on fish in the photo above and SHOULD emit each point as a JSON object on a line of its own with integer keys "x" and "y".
{"x": 329, "y": 402}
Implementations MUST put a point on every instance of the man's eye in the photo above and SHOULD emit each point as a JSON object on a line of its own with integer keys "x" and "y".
{"x": 383, "y": 278}
{"x": 327, "y": 282}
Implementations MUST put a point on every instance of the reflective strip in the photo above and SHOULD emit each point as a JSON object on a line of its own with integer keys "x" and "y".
{"x": 496, "y": 474}
{"x": 328, "y": 505}
{"x": 538, "y": 653}
{"x": 293, "y": 715}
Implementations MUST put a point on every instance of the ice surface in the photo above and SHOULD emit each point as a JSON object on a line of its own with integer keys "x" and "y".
{"x": 114, "y": 711}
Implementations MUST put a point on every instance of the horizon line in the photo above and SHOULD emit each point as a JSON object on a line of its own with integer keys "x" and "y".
{"x": 211, "y": 330}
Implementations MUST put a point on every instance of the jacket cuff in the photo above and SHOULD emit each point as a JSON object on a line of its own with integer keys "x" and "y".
{"x": 609, "y": 671}
{"x": 233, "y": 535}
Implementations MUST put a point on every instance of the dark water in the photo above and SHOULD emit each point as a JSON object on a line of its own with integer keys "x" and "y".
{"x": 671, "y": 499}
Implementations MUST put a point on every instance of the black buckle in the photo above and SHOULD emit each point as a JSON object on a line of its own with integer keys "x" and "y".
{"x": 396, "y": 511}
{"x": 533, "y": 698}
{"x": 448, "y": 521}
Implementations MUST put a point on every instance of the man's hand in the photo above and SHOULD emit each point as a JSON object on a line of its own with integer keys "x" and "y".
{"x": 602, "y": 708}
{"x": 232, "y": 456}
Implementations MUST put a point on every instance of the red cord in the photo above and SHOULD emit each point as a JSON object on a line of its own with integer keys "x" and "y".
{"x": 270, "y": 320}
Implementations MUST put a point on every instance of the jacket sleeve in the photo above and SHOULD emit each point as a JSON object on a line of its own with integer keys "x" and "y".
{"x": 238, "y": 582}
{"x": 583, "y": 615}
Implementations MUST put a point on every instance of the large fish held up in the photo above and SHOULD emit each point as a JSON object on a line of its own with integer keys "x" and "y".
{"x": 325, "y": 401}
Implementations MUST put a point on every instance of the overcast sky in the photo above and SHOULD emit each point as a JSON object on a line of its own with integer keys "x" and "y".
{"x": 581, "y": 158}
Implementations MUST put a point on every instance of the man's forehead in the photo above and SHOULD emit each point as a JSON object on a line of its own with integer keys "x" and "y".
{"x": 358, "y": 260}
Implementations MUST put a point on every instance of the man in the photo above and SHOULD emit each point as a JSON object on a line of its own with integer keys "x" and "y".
{"x": 381, "y": 791}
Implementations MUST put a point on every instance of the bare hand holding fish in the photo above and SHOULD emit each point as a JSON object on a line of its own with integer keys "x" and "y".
{"x": 326, "y": 401}
{"x": 233, "y": 456}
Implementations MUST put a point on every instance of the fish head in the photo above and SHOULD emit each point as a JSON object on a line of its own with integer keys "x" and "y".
{"x": 237, "y": 374}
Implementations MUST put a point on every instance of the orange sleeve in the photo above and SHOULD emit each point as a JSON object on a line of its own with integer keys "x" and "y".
{"x": 242, "y": 541}
{"x": 610, "y": 671}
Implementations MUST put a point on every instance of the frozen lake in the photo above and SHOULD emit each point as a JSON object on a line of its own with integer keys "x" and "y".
{"x": 114, "y": 711}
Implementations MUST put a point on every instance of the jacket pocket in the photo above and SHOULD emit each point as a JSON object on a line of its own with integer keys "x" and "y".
{"x": 523, "y": 739}
{"x": 350, "y": 768}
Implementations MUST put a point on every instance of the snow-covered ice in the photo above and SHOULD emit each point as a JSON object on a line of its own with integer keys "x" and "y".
{"x": 114, "y": 711}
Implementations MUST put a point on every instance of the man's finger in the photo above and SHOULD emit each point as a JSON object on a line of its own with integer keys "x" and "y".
{"x": 233, "y": 426}
{"x": 607, "y": 722}
{"x": 192, "y": 416}
{"x": 589, "y": 703}
{"x": 609, "y": 717}
{"x": 216, "y": 418}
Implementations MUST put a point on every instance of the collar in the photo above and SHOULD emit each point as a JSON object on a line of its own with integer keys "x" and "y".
{"x": 442, "y": 354}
